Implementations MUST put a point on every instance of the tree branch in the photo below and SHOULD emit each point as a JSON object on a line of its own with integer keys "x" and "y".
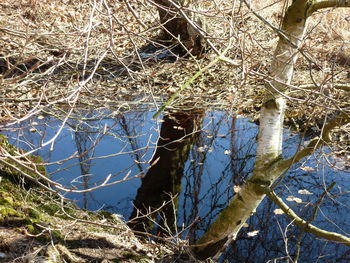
{"x": 298, "y": 221}
{"x": 317, "y": 5}
{"x": 338, "y": 121}
{"x": 339, "y": 86}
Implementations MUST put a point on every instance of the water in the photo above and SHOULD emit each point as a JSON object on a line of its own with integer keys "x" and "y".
{"x": 201, "y": 159}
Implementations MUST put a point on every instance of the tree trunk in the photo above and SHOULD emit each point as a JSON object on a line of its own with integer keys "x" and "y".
{"x": 244, "y": 204}
{"x": 177, "y": 28}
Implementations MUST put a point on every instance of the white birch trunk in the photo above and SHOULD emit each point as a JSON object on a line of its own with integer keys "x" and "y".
{"x": 269, "y": 148}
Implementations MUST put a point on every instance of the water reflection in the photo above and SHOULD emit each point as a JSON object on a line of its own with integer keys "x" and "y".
{"x": 198, "y": 160}
{"x": 279, "y": 239}
{"x": 84, "y": 138}
{"x": 158, "y": 194}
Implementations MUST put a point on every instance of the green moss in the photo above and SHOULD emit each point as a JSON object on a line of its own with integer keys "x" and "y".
{"x": 6, "y": 199}
{"x": 105, "y": 214}
{"x": 13, "y": 174}
{"x": 132, "y": 256}
{"x": 44, "y": 236}
{"x": 32, "y": 229}
{"x": 8, "y": 211}
{"x": 6, "y": 186}
{"x": 5, "y": 144}
{"x": 34, "y": 214}
{"x": 50, "y": 209}
{"x": 38, "y": 161}
{"x": 57, "y": 235}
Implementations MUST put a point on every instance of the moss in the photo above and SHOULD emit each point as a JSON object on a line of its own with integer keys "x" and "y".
{"x": 8, "y": 212}
{"x": 14, "y": 175}
{"x": 6, "y": 199}
{"x": 6, "y": 186}
{"x": 32, "y": 229}
{"x": 34, "y": 214}
{"x": 132, "y": 256}
{"x": 44, "y": 235}
{"x": 38, "y": 161}
{"x": 57, "y": 235}
{"x": 105, "y": 214}
{"x": 111, "y": 217}
{"x": 5, "y": 144}
{"x": 50, "y": 209}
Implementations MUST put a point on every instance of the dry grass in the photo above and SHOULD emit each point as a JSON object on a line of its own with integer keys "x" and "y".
{"x": 52, "y": 47}
{"x": 49, "y": 50}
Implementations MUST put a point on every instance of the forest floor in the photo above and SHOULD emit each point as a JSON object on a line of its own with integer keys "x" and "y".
{"x": 35, "y": 226}
{"x": 55, "y": 54}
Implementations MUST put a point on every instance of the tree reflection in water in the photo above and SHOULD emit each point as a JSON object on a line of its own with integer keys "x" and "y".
{"x": 157, "y": 197}
{"x": 205, "y": 162}
{"x": 207, "y": 186}
{"x": 198, "y": 161}
{"x": 278, "y": 239}
{"x": 85, "y": 138}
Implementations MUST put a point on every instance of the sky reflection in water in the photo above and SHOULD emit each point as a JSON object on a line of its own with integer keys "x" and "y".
{"x": 221, "y": 157}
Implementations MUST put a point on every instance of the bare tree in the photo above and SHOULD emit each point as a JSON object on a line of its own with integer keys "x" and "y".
{"x": 269, "y": 163}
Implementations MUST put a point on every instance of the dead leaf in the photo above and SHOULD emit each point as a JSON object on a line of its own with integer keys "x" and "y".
{"x": 304, "y": 192}
{"x": 236, "y": 188}
{"x": 278, "y": 211}
{"x": 307, "y": 169}
{"x": 294, "y": 199}
{"x": 253, "y": 233}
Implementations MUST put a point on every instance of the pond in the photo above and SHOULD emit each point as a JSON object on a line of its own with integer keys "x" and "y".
{"x": 190, "y": 162}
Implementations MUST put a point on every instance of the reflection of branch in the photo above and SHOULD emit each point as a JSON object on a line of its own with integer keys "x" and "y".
{"x": 338, "y": 121}
{"x": 132, "y": 141}
{"x": 298, "y": 221}
{"x": 312, "y": 218}
{"x": 320, "y": 200}
{"x": 41, "y": 179}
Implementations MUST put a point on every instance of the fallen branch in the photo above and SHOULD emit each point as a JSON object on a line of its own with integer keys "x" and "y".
{"x": 298, "y": 221}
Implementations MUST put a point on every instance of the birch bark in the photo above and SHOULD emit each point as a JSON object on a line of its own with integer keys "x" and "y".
{"x": 243, "y": 205}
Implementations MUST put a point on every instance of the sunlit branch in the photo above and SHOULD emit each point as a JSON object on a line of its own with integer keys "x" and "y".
{"x": 332, "y": 236}
{"x": 314, "y": 144}
{"x": 322, "y": 4}
{"x": 340, "y": 86}
{"x": 190, "y": 81}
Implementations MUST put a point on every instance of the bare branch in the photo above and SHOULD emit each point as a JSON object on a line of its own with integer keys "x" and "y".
{"x": 332, "y": 236}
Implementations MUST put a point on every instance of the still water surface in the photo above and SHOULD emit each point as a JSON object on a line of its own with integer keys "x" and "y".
{"x": 200, "y": 160}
